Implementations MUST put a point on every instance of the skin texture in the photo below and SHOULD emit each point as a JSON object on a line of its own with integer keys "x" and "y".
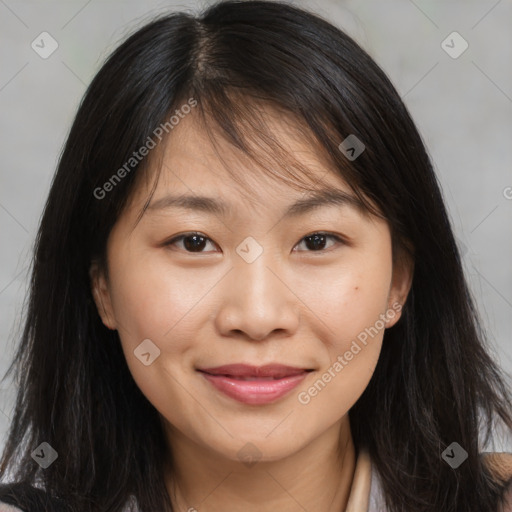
{"x": 293, "y": 305}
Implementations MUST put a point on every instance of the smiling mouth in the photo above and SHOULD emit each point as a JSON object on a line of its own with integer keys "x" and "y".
{"x": 254, "y": 385}
{"x": 248, "y": 378}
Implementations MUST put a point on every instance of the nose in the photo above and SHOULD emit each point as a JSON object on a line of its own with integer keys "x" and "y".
{"x": 256, "y": 301}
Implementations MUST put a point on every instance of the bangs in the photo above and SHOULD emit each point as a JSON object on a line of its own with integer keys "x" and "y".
{"x": 248, "y": 122}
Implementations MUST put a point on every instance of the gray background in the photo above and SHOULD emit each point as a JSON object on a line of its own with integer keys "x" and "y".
{"x": 462, "y": 107}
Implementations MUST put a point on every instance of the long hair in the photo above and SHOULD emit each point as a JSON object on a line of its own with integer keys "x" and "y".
{"x": 435, "y": 381}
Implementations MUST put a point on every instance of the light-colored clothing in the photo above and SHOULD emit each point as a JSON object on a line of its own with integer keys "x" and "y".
{"x": 8, "y": 508}
{"x": 366, "y": 492}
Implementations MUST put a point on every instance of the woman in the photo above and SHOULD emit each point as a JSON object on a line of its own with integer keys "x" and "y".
{"x": 246, "y": 293}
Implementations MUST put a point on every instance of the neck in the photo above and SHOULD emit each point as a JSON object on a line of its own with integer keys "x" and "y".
{"x": 317, "y": 477}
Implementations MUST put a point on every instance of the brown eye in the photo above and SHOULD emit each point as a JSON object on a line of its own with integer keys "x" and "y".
{"x": 316, "y": 242}
{"x": 196, "y": 242}
{"x": 191, "y": 242}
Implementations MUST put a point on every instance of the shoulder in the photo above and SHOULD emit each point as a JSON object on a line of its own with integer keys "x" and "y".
{"x": 24, "y": 497}
{"x": 506, "y": 505}
{"x": 5, "y": 507}
{"x": 507, "y": 502}
{"x": 500, "y": 466}
{"x": 15, "y": 497}
{"x": 499, "y": 463}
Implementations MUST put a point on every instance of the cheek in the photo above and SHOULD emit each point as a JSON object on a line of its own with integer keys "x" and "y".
{"x": 350, "y": 298}
{"x": 150, "y": 302}
{"x": 352, "y": 307}
{"x": 153, "y": 300}
{"x": 338, "y": 386}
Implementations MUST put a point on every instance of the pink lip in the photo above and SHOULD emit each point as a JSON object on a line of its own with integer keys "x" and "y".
{"x": 268, "y": 383}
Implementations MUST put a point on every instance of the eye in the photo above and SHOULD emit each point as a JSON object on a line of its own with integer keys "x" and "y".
{"x": 192, "y": 242}
{"x": 196, "y": 242}
{"x": 316, "y": 241}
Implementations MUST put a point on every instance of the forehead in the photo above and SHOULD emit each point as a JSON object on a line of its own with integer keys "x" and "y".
{"x": 273, "y": 158}
{"x": 281, "y": 165}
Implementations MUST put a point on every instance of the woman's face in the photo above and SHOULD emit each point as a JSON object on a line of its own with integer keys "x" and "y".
{"x": 254, "y": 288}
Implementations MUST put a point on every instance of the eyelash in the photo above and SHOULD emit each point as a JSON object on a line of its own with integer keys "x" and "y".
{"x": 179, "y": 238}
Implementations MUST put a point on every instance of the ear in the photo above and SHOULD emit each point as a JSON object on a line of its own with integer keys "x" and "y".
{"x": 403, "y": 271}
{"x": 101, "y": 294}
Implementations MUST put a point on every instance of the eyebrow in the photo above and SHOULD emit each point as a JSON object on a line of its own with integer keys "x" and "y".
{"x": 213, "y": 206}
